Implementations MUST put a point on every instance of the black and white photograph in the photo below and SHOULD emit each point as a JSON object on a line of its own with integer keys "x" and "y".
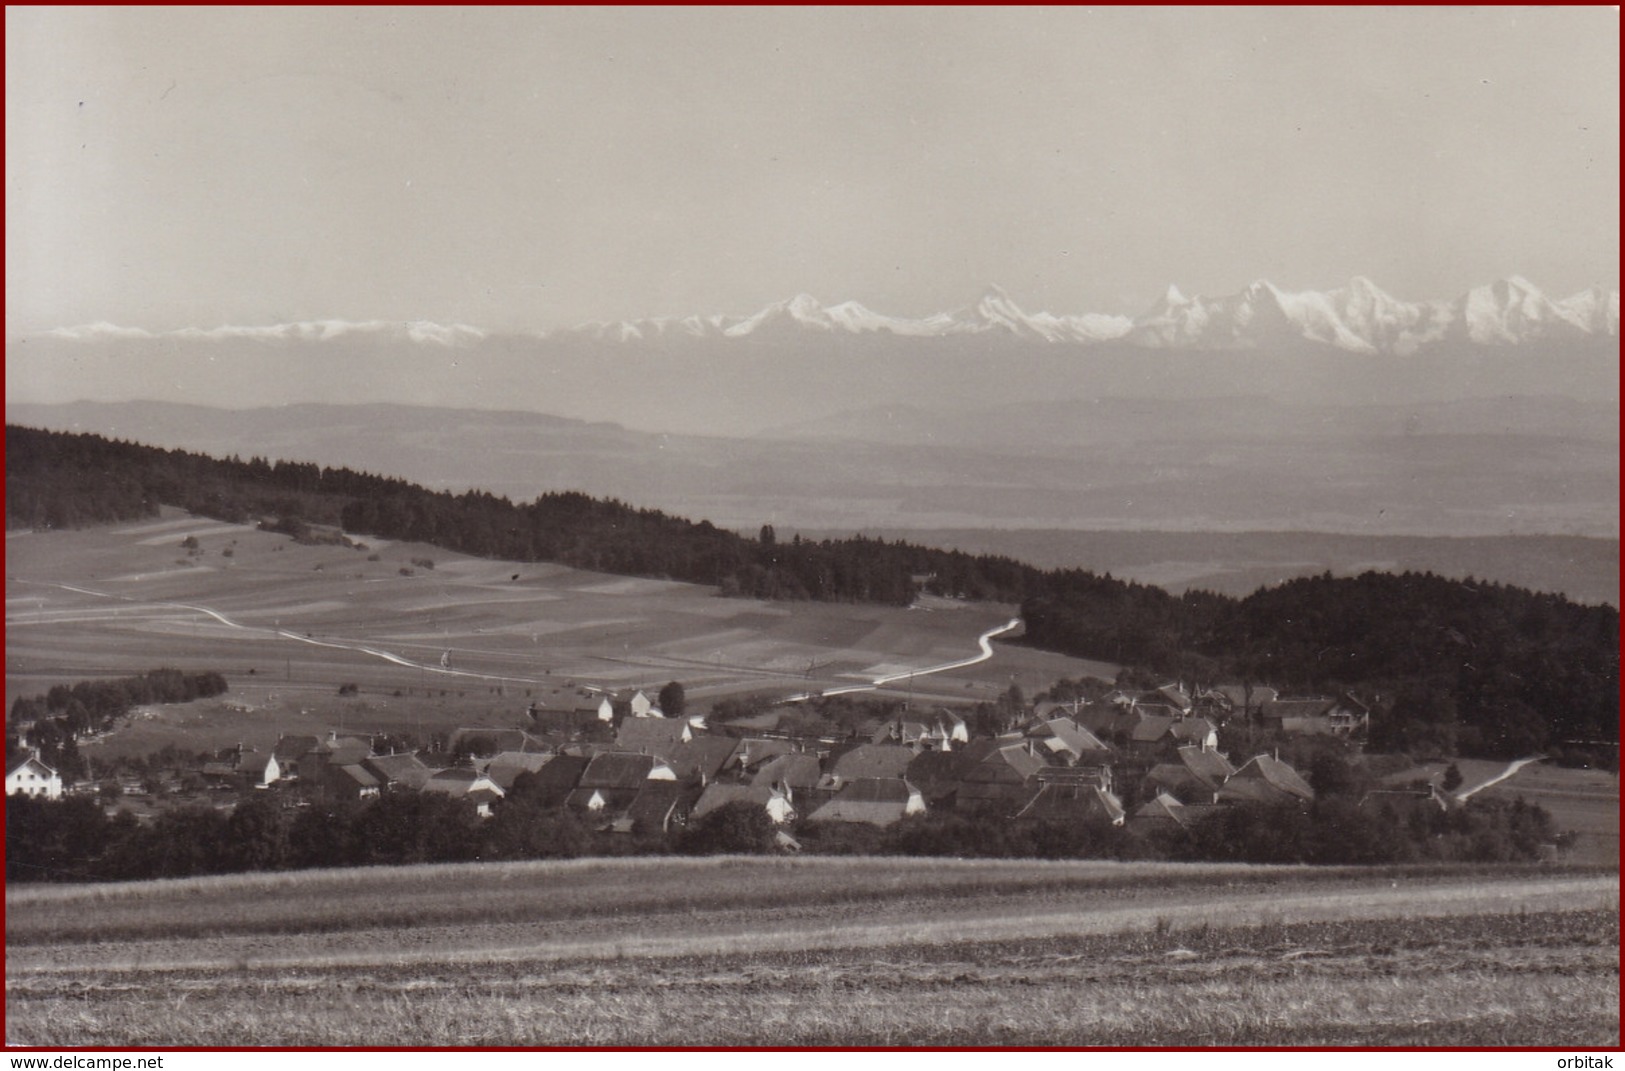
{"x": 930, "y": 527}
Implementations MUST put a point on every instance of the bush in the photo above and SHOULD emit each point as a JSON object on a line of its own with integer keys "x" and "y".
{"x": 739, "y": 827}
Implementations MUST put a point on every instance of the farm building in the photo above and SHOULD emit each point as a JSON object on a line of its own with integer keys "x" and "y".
{"x": 1195, "y": 777}
{"x": 508, "y": 765}
{"x": 1070, "y": 804}
{"x": 775, "y": 803}
{"x": 1266, "y": 779}
{"x": 29, "y": 776}
{"x": 465, "y": 782}
{"x": 869, "y": 761}
{"x": 879, "y": 801}
{"x": 398, "y": 771}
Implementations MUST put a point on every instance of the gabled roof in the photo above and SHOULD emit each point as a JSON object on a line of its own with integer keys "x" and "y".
{"x": 719, "y": 795}
{"x": 755, "y": 750}
{"x": 615, "y": 801}
{"x": 294, "y": 748}
{"x": 1059, "y": 802}
{"x": 508, "y": 765}
{"x": 1210, "y": 767}
{"x": 499, "y": 740}
{"x": 346, "y": 754}
{"x": 404, "y": 769}
{"x": 358, "y": 775}
{"x": 1173, "y": 695}
{"x": 653, "y": 736}
{"x": 798, "y": 770}
{"x": 1008, "y": 762}
{"x": 559, "y": 776}
{"x": 1149, "y": 728}
{"x": 658, "y": 803}
{"x": 616, "y": 769}
{"x": 872, "y": 760}
{"x": 877, "y": 801}
{"x": 703, "y": 757}
{"x": 1063, "y": 735}
{"x": 1164, "y": 808}
{"x": 1195, "y": 729}
{"x": 1298, "y": 707}
{"x": 1265, "y": 779}
{"x": 460, "y": 781}
{"x": 18, "y": 762}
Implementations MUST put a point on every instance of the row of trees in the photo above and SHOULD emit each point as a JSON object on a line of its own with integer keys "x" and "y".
{"x": 72, "y": 839}
{"x": 54, "y": 722}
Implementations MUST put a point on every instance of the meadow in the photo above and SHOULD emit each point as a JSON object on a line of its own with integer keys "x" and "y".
{"x": 458, "y": 642}
{"x": 845, "y": 952}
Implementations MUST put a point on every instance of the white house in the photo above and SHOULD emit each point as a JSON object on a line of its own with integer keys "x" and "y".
{"x": 31, "y": 777}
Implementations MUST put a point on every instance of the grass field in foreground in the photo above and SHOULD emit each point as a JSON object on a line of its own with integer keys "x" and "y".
{"x": 822, "y": 951}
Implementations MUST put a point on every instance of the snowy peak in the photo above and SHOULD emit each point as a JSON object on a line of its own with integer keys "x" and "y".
{"x": 417, "y": 331}
{"x": 1357, "y": 317}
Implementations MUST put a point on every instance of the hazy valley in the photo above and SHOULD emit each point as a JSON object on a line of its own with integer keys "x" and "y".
{"x": 1227, "y": 494}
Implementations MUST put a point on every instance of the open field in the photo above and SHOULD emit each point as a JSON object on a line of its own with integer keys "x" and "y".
{"x": 1582, "y": 802}
{"x": 822, "y": 951}
{"x": 466, "y": 642}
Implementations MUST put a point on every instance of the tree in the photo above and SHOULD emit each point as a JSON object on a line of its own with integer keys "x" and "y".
{"x": 1452, "y": 778}
{"x": 740, "y": 827}
{"x": 672, "y": 700}
{"x": 257, "y": 835}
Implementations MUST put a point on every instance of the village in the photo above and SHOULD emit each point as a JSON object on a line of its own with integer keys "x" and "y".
{"x": 1144, "y": 760}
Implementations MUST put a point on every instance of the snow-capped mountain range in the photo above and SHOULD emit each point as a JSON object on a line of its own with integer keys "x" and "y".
{"x": 1359, "y": 318}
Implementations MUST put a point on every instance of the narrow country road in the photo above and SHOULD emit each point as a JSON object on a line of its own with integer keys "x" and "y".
{"x": 1512, "y": 768}
{"x": 984, "y": 641}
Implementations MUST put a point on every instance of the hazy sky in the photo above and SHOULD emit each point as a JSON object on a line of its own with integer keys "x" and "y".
{"x": 522, "y": 168}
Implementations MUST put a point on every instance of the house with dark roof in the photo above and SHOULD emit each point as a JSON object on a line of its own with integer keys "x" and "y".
{"x": 997, "y": 775}
{"x": 292, "y": 751}
{"x": 775, "y": 802}
{"x": 257, "y": 768}
{"x": 503, "y": 768}
{"x": 1266, "y": 779}
{"x": 405, "y": 771}
{"x": 1195, "y": 776}
{"x": 798, "y": 773}
{"x": 703, "y": 758}
{"x": 936, "y": 775}
{"x": 868, "y": 761}
{"x": 660, "y": 807}
{"x": 879, "y": 801}
{"x": 1063, "y": 741}
{"x": 610, "y": 784}
{"x": 1070, "y": 804}
{"x": 653, "y": 736}
{"x": 465, "y": 782}
{"x": 486, "y": 742}
{"x": 351, "y": 782}
{"x": 557, "y": 778}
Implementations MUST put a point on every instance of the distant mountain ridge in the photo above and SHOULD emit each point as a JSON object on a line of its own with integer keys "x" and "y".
{"x": 1358, "y": 317}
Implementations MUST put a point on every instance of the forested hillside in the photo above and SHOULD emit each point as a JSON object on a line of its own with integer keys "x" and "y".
{"x": 1458, "y": 665}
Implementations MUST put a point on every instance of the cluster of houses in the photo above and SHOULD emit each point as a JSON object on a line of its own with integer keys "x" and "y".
{"x": 626, "y": 767}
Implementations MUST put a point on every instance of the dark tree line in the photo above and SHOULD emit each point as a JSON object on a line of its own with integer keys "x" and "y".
{"x": 52, "y": 723}
{"x": 72, "y": 839}
{"x": 1461, "y": 666}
